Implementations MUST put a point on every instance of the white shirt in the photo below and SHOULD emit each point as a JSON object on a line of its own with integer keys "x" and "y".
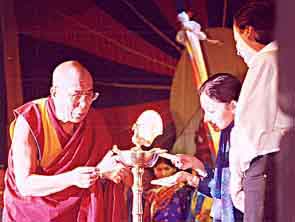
{"x": 259, "y": 122}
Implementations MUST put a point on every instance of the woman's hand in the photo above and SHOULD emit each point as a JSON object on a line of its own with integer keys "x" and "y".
{"x": 178, "y": 177}
{"x": 184, "y": 161}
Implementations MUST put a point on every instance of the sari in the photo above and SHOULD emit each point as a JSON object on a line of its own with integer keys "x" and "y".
{"x": 168, "y": 203}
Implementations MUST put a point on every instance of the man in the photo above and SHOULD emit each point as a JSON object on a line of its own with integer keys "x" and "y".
{"x": 259, "y": 122}
{"x": 56, "y": 157}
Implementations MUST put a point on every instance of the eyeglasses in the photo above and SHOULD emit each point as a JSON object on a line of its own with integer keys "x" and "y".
{"x": 90, "y": 96}
{"x": 76, "y": 96}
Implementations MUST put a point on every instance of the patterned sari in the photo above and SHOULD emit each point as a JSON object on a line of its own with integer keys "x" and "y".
{"x": 168, "y": 203}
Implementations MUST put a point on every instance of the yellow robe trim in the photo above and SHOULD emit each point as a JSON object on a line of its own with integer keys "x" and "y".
{"x": 52, "y": 146}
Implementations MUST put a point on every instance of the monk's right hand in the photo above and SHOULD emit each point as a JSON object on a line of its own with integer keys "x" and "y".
{"x": 85, "y": 176}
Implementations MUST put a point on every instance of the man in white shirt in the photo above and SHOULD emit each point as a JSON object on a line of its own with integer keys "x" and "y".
{"x": 259, "y": 122}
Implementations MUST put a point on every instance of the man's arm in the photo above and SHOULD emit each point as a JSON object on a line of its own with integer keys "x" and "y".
{"x": 236, "y": 178}
{"x": 24, "y": 155}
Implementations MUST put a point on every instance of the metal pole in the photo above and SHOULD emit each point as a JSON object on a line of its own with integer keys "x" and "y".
{"x": 137, "y": 190}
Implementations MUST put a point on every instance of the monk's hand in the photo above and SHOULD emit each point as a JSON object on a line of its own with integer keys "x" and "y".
{"x": 84, "y": 177}
{"x": 127, "y": 177}
{"x": 108, "y": 162}
{"x": 119, "y": 173}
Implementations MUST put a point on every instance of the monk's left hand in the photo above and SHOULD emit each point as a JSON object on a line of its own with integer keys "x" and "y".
{"x": 110, "y": 168}
{"x": 120, "y": 173}
{"x": 108, "y": 162}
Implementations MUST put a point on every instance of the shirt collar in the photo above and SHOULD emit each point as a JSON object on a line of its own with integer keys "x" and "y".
{"x": 272, "y": 46}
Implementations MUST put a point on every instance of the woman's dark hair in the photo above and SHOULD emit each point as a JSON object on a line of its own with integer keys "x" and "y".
{"x": 165, "y": 161}
{"x": 260, "y": 14}
{"x": 222, "y": 87}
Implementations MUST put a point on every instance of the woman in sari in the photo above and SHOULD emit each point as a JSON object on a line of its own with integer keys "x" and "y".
{"x": 167, "y": 203}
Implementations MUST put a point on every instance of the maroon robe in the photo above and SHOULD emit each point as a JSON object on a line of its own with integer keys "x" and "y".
{"x": 85, "y": 147}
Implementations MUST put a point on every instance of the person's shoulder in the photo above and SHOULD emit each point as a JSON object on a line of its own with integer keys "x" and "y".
{"x": 267, "y": 58}
{"x": 30, "y": 112}
{"x": 269, "y": 53}
{"x": 30, "y": 106}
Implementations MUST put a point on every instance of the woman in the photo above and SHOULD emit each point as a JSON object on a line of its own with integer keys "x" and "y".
{"x": 164, "y": 203}
{"x": 218, "y": 97}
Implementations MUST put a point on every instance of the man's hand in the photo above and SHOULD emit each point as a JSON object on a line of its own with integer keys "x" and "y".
{"x": 84, "y": 177}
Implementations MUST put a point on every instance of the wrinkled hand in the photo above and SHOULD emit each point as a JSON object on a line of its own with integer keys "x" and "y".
{"x": 119, "y": 173}
{"x": 112, "y": 169}
{"x": 108, "y": 162}
{"x": 84, "y": 177}
{"x": 178, "y": 177}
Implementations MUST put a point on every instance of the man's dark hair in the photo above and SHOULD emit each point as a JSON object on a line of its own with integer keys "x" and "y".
{"x": 222, "y": 87}
{"x": 260, "y": 14}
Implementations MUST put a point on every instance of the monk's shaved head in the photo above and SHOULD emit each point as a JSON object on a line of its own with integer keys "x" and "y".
{"x": 70, "y": 74}
{"x": 72, "y": 91}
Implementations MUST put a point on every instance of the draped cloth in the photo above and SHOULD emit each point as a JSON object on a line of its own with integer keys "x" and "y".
{"x": 200, "y": 208}
{"x": 223, "y": 209}
{"x": 216, "y": 185}
{"x": 86, "y": 147}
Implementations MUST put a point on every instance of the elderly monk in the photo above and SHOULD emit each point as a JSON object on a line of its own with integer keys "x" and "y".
{"x": 56, "y": 159}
